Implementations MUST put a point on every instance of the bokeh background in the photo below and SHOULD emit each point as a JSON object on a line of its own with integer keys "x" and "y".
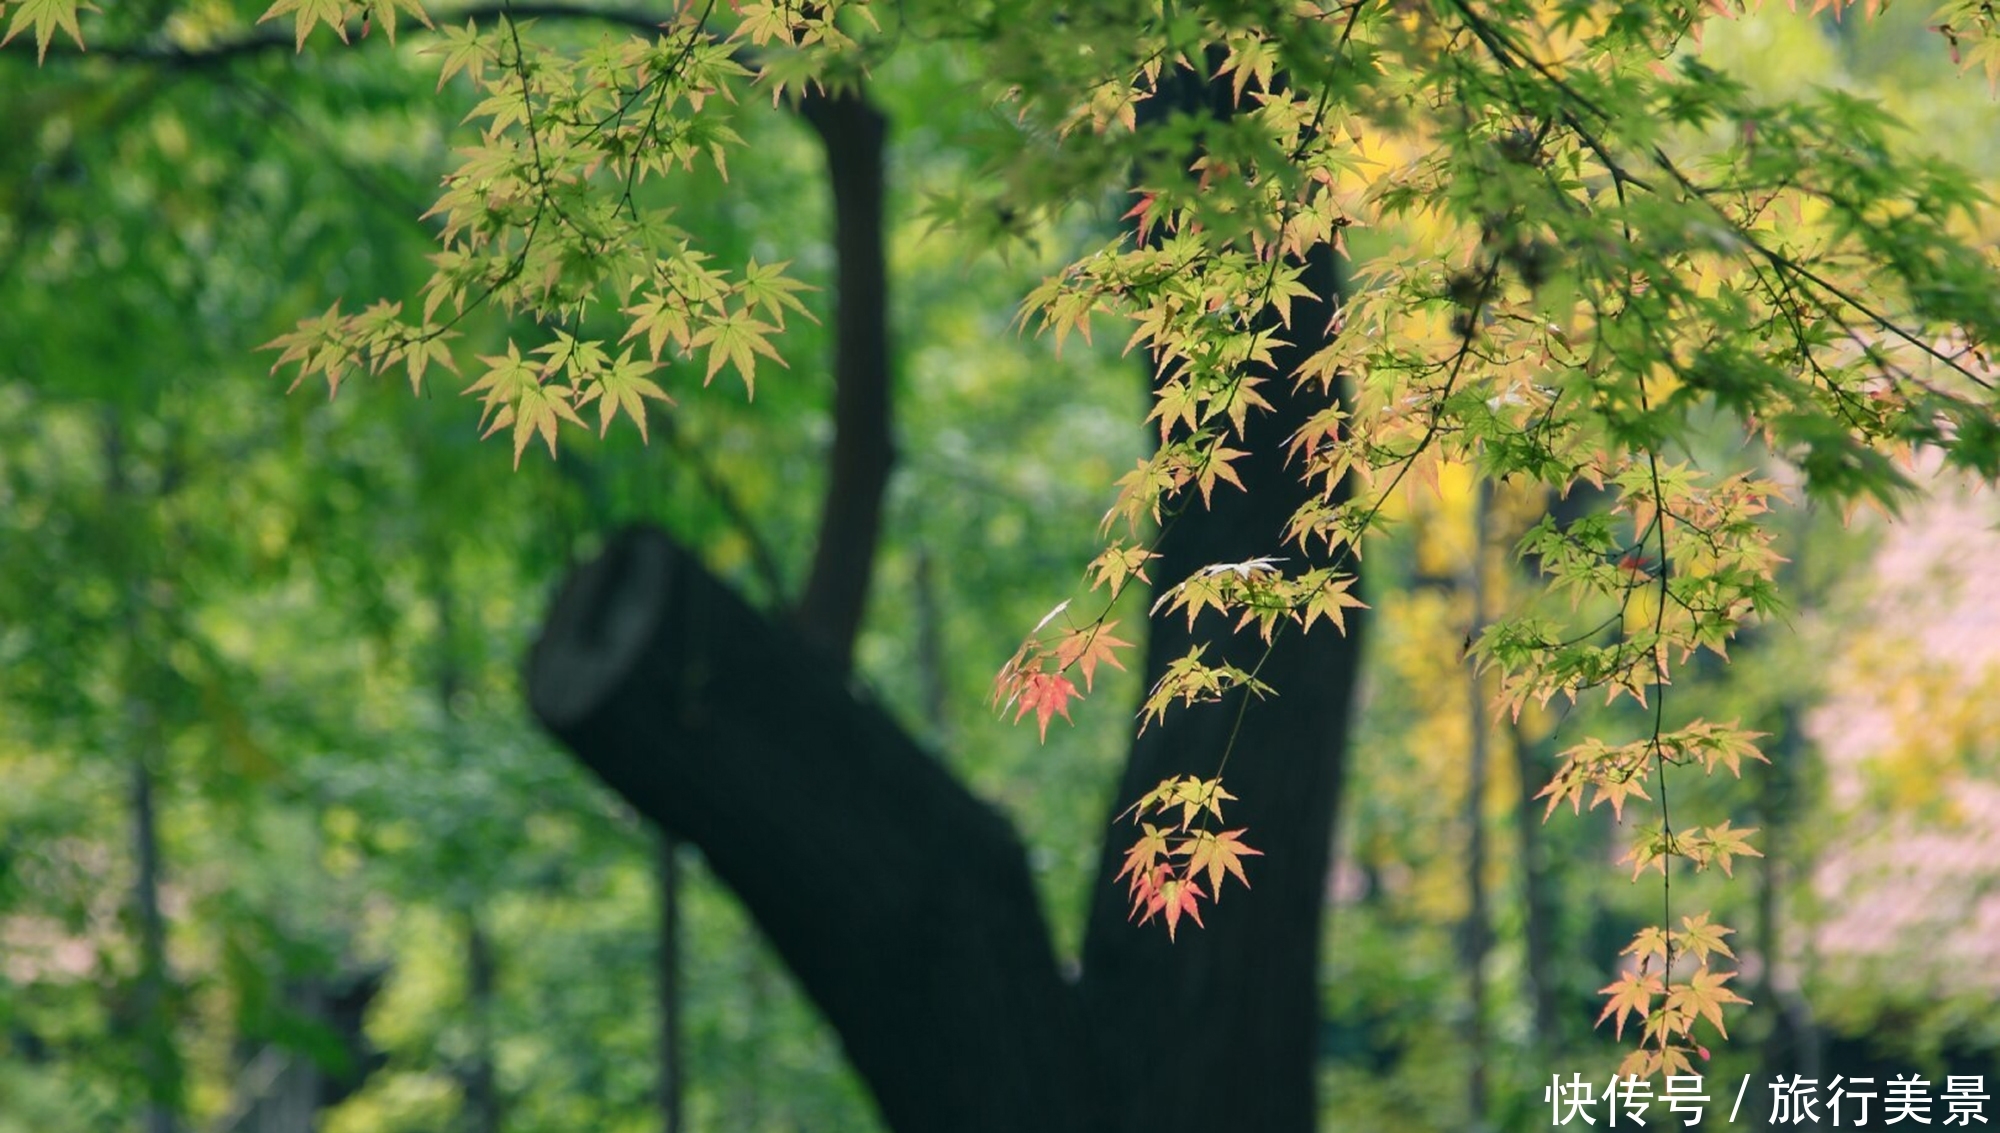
{"x": 281, "y": 850}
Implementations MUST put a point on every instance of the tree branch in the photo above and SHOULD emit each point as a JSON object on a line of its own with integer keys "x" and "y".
{"x": 836, "y": 591}
{"x": 275, "y": 36}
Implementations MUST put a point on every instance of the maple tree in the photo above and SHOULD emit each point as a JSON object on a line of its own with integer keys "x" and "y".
{"x": 1576, "y": 249}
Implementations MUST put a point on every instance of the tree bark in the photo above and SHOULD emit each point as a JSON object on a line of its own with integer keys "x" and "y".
{"x": 836, "y": 591}
{"x": 1219, "y": 1030}
{"x": 902, "y": 903}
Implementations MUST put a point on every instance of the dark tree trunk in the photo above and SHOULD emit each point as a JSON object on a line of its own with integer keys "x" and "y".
{"x": 902, "y": 903}
{"x": 1220, "y": 1029}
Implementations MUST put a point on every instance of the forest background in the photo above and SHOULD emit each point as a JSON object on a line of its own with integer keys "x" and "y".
{"x": 281, "y": 842}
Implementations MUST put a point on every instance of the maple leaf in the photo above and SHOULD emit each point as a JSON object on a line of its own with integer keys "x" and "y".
{"x": 1705, "y": 996}
{"x": 1086, "y": 648}
{"x": 1194, "y": 795}
{"x": 1652, "y": 849}
{"x": 332, "y": 13}
{"x": 462, "y": 51}
{"x": 1217, "y": 854}
{"x": 1641, "y": 1064}
{"x": 1117, "y": 563}
{"x": 1215, "y": 466}
{"x": 1632, "y": 994}
{"x": 1616, "y": 789}
{"x": 737, "y": 339}
{"x": 1157, "y": 797}
{"x": 623, "y": 385}
{"x": 516, "y": 395}
{"x": 1142, "y": 858}
{"x": 383, "y": 12}
{"x": 1724, "y": 844}
{"x": 1045, "y": 694}
{"x": 1649, "y": 942}
{"x": 45, "y": 16}
{"x": 662, "y": 319}
{"x": 1699, "y": 938}
{"x": 766, "y": 287}
{"x": 1566, "y": 786}
{"x": 1329, "y": 599}
{"x": 1176, "y": 896}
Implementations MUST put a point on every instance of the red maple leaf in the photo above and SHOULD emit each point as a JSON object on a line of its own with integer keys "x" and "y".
{"x": 1087, "y": 648}
{"x": 1046, "y": 694}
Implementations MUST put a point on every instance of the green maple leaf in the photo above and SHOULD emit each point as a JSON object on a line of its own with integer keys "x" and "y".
{"x": 517, "y": 396}
{"x": 662, "y": 319}
{"x": 383, "y": 12}
{"x": 45, "y": 16}
{"x": 1116, "y": 564}
{"x": 624, "y": 386}
{"x": 737, "y": 339}
{"x": 1194, "y": 795}
{"x": 768, "y": 289}
{"x": 462, "y": 51}
{"x": 332, "y": 13}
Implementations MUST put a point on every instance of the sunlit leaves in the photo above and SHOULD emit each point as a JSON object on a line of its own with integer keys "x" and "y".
{"x": 1669, "y": 1006}
{"x": 737, "y": 339}
{"x": 1158, "y": 885}
{"x": 1044, "y": 694}
{"x": 1630, "y": 994}
{"x": 382, "y": 14}
{"x": 1579, "y": 273}
{"x": 46, "y": 17}
{"x": 1217, "y": 854}
{"x": 1189, "y": 680}
{"x": 1034, "y": 678}
{"x": 464, "y": 50}
{"x": 517, "y": 393}
{"x": 540, "y": 219}
{"x": 623, "y": 387}
{"x": 308, "y": 14}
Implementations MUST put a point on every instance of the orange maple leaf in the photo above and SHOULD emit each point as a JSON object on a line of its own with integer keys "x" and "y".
{"x": 1217, "y": 853}
{"x": 1046, "y": 694}
{"x": 1176, "y": 896}
{"x": 1632, "y": 994}
{"x": 1142, "y": 859}
{"x": 1086, "y": 648}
